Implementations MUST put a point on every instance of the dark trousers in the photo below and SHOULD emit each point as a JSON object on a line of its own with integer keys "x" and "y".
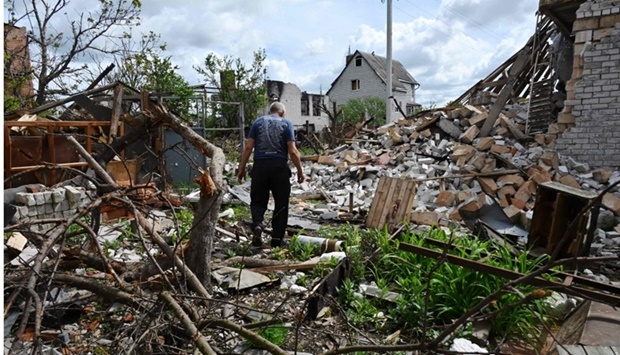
{"x": 271, "y": 176}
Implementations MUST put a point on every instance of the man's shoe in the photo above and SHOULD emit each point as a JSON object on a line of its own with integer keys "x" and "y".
{"x": 257, "y": 240}
{"x": 276, "y": 243}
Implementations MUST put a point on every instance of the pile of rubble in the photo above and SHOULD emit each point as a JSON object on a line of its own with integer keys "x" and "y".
{"x": 456, "y": 170}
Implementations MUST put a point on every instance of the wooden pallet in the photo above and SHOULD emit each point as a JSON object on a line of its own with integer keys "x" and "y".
{"x": 392, "y": 202}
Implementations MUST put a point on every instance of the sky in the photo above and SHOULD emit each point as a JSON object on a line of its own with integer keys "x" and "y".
{"x": 447, "y": 45}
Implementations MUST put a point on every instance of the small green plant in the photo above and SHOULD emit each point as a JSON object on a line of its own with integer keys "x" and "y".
{"x": 302, "y": 251}
{"x": 242, "y": 212}
{"x": 302, "y": 280}
{"x": 275, "y": 334}
{"x": 279, "y": 253}
{"x": 185, "y": 218}
{"x": 231, "y": 252}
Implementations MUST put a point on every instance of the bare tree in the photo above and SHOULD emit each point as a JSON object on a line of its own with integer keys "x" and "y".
{"x": 57, "y": 51}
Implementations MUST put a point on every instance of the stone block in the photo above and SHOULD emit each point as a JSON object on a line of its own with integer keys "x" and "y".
{"x": 525, "y": 191}
{"x": 449, "y": 128}
{"x": 512, "y": 179}
{"x": 489, "y": 165}
{"x": 470, "y": 134}
{"x": 39, "y": 198}
{"x": 427, "y": 218}
{"x": 612, "y": 203}
{"x": 568, "y": 180}
{"x": 601, "y": 175}
{"x": 327, "y": 160}
{"x": 513, "y": 213}
{"x": 445, "y": 198}
{"x": 518, "y": 203}
{"x": 463, "y": 151}
{"x": 478, "y": 162}
{"x": 484, "y": 144}
{"x": 478, "y": 119}
{"x": 73, "y": 195}
{"x": 499, "y": 149}
{"x": 566, "y": 118}
{"x": 506, "y": 191}
{"x": 58, "y": 195}
{"x": 488, "y": 185}
{"x": 586, "y": 24}
{"x": 26, "y": 199}
{"x": 551, "y": 158}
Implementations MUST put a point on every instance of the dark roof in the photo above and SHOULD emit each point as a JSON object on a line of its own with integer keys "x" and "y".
{"x": 378, "y": 65}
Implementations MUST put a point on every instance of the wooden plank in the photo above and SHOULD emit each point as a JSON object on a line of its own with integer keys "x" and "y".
{"x": 55, "y": 124}
{"x": 7, "y": 153}
{"x": 116, "y": 112}
{"x": 571, "y": 350}
{"x": 377, "y": 200}
{"x": 409, "y": 205}
{"x": 382, "y": 201}
{"x": 598, "y": 350}
{"x": 616, "y": 350}
{"x": 396, "y": 215}
{"x": 52, "y": 152}
{"x": 391, "y": 201}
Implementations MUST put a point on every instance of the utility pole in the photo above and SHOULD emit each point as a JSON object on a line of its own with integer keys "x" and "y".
{"x": 388, "y": 69}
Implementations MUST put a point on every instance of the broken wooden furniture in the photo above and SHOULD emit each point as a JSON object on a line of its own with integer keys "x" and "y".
{"x": 557, "y": 205}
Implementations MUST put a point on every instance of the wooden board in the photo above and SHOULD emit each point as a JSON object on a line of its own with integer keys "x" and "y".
{"x": 392, "y": 202}
{"x": 588, "y": 350}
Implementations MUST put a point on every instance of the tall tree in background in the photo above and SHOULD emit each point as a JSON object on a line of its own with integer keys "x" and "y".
{"x": 141, "y": 64}
{"x": 56, "y": 52}
{"x": 237, "y": 82}
{"x": 356, "y": 108}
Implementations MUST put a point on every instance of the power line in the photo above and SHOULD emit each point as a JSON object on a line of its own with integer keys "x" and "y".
{"x": 473, "y": 22}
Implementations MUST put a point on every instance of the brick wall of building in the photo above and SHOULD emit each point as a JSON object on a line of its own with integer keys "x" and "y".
{"x": 17, "y": 63}
{"x": 590, "y": 120}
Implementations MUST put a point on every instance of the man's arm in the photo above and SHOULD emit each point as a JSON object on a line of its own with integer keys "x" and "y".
{"x": 296, "y": 158}
{"x": 249, "y": 146}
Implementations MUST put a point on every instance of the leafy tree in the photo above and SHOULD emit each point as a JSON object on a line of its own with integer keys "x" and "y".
{"x": 236, "y": 82}
{"x": 141, "y": 64}
{"x": 356, "y": 108}
{"x": 56, "y": 52}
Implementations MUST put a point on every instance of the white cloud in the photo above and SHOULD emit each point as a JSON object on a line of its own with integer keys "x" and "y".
{"x": 447, "y": 45}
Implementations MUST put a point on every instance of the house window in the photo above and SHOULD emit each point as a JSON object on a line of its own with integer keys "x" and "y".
{"x": 409, "y": 109}
{"x": 316, "y": 105}
{"x": 305, "y": 105}
{"x": 358, "y": 61}
{"x": 355, "y": 84}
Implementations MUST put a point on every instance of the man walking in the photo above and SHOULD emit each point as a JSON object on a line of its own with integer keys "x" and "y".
{"x": 273, "y": 139}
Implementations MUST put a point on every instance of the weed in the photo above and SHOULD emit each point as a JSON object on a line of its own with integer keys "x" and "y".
{"x": 276, "y": 334}
{"x": 185, "y": 218}
{"x": 302, "y": 251}
{"x": 279, "y": 253}
{"x": 242, "y": 212}
{"x": 302, "y": 280}
{"x": 455, "y": 289}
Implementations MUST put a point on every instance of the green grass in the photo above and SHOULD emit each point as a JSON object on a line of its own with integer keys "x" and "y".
{"x": 450, "y": 290}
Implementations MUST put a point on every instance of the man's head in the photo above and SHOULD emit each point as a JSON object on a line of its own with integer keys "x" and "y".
{"x": 277, "y": 108}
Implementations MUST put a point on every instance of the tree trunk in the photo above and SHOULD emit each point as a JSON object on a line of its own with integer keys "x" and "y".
{"x": 212, "y": 188}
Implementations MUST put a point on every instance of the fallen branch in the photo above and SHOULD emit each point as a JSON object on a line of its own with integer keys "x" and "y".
{"x": 190, "y": 327}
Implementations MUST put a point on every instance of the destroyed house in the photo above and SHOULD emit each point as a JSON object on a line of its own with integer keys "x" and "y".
{"x": 364, "y": 75}
{"x": 303, "y": 109}
{"x": 568, "y": 74}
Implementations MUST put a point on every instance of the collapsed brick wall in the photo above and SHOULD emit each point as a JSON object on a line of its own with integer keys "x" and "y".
{"x": 591, "y": 115}
{"x": 57, "y": 203}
